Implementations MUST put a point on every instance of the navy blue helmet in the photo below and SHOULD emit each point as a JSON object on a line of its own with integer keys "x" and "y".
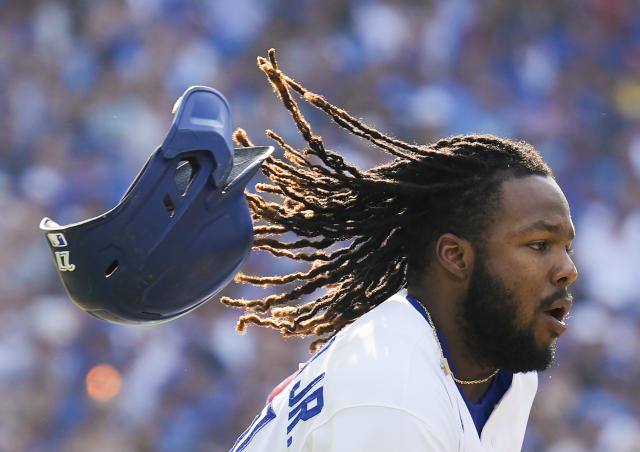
{"x": 179, "y": 233}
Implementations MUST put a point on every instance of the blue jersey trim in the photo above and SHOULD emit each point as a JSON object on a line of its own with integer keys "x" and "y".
{"x": 313, "y": 358}
{"x": 419, "y": 308}
{"x": 480, "y": 411}
{"x": 268, "y": 417}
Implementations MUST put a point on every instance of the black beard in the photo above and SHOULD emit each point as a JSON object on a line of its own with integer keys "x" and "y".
{"x": 491, "y": 328}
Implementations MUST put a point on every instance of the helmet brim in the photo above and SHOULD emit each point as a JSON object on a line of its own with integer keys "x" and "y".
{"x": 246, "y": 160}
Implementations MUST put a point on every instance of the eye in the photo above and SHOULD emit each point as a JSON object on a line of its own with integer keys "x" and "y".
{"x": 570, "y": 251}
{"x": 539, "y": 246}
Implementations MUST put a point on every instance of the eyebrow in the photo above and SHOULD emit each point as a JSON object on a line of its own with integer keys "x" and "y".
{"x": 542, "y": 225}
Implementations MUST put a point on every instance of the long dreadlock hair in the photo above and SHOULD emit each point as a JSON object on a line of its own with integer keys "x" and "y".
{"x": 386, "y": 218}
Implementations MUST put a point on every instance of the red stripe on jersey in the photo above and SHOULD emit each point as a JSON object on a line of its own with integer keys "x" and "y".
{"x": 278, "y": 389}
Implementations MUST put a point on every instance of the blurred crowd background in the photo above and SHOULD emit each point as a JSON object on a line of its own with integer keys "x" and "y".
{"x": 86, "y": 90}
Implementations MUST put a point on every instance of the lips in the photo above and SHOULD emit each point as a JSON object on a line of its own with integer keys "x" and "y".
{"x": 556, "y": 313}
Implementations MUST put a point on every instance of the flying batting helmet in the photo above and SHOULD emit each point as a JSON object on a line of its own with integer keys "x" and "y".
{"x": 179, "y": 233}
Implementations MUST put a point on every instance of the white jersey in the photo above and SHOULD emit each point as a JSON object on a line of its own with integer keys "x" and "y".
{"x": 377, "y": 386}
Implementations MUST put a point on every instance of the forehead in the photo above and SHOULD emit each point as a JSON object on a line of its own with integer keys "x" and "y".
{"x": 532, "y": 203}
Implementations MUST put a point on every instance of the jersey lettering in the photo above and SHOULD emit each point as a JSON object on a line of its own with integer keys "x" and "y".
{"x": 305, "y": 404}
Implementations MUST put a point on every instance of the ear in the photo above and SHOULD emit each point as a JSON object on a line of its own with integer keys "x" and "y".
{"x": 455, "y": 255}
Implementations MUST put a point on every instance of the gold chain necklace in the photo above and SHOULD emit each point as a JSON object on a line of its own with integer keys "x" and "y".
{"x": 445, "y": 363}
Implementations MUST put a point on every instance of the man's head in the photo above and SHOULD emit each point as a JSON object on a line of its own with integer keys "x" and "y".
{"x": 499, "y": 247}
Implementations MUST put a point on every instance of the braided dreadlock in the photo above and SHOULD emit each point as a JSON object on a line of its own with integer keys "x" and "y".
{"x": 383, "y": 220}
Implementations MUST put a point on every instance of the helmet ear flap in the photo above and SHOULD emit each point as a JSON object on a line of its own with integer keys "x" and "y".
{"x": 179, "y": 233}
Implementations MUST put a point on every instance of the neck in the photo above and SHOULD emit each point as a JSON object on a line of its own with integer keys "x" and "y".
{"x": 461, "y": 361}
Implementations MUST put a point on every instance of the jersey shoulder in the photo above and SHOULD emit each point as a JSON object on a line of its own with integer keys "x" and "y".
{"x": 386, "y": 358}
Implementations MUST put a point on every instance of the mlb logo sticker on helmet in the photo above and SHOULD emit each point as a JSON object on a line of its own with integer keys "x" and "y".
{"x": 57, "y": 239}
{"x": 179, "y": 233}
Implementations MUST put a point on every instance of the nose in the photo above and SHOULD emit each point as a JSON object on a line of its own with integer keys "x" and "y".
{"x": 566, "y": 273}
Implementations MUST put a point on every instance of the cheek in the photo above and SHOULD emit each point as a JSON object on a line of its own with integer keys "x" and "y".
{"x": 524, "y": 284}
{"x": 525, "y": 293}
{"x": 526, "y": 299}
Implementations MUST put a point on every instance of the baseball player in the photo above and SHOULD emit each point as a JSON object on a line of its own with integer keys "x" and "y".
{"x": 444, "y": 278}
